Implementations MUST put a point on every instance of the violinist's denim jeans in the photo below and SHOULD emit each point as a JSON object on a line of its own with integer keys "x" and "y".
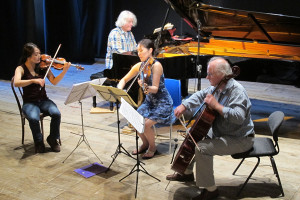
{"x": 33, "y": 110}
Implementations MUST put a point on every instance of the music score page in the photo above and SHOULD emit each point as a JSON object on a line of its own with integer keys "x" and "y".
{"x": 137, "y": 120}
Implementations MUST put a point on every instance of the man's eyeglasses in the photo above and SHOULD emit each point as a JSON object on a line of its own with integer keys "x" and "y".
{"x": 210, "y": 74}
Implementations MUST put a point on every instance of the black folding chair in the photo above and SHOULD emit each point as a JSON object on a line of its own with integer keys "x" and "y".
{"x": 264, "y": 146}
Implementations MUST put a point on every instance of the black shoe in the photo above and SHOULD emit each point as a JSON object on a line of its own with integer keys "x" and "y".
{"x": 206, "y": 195}
{"x": 179, "y": 177}
{"x": 39, "y": 147}
{"x": 53, "y": 144}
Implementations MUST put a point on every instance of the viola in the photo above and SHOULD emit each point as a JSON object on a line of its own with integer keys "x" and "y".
{"x": 58, "y": 63}
{"x": 198, "y": 130}
{"x": 146, "y": 71}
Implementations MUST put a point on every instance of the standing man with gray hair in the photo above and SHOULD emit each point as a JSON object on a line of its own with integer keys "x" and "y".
{"x": 121, "y": 39}
{"x": 231, "y": 132}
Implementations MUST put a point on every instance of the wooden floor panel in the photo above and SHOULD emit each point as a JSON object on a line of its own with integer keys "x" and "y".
{"x": 29, "y": 176}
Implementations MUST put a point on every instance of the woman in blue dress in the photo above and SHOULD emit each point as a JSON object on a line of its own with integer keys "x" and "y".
{"x": 158, "y": 104}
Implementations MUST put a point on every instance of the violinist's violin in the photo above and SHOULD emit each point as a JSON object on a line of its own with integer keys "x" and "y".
{"x": 146, "y": 70}
{"x": 58, "y": 63}
{"x": 149, "y": 63}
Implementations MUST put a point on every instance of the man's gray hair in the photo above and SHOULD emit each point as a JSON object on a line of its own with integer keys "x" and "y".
{"x": 223, "y": 66}
{"x": 123, "y": 16}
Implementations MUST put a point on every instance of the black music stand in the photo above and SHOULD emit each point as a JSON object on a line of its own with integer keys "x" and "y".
{"x": 138, "y": 122}
{"x": 81, "y": 91}
{"x": 114, "y": 95}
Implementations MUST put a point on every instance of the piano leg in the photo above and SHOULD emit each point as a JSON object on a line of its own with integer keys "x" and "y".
{"x": 92, "y": 77}
{"x": 199, "y": 80}
{"x": 94, "y": 102}
{"x": 184, "y": 87}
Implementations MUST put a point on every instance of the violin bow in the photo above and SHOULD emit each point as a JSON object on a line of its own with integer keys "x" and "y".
{"x": 52, "y": 60}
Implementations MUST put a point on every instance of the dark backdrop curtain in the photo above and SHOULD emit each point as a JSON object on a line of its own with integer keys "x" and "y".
{"x": 77, "y": 25}
{"x": 81, "y": 26}
{"x": 13, "y": 33}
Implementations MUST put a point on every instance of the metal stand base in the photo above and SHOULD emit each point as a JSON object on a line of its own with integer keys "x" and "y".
{"x": 119, "y": 147}
{"x": 137, "y": 169}
{"x": 82, "y": 139}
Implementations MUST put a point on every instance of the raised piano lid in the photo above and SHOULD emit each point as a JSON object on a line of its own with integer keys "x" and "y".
{"x": 264, "y": 30}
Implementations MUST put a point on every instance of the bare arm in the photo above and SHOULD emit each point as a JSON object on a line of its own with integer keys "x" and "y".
{"x": 23, "y": 83}
{"x": 54, "y": 80}
{"x": 130, "y": 75}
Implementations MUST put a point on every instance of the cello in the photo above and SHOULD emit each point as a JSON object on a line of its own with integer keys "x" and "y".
{"x": 199, "y": 130}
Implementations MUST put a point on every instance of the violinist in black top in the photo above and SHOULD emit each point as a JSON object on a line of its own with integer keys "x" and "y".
{"x": 158, "y": 104}
{"x": 30, "y": 77}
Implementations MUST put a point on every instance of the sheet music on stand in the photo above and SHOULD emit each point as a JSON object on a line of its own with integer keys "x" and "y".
{"x": 106, "y": 93}
{"x": 77, "y": 94}
{"x": 137, "y": 120}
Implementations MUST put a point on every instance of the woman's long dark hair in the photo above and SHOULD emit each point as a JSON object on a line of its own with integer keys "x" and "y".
{"x": 28, "y": 50}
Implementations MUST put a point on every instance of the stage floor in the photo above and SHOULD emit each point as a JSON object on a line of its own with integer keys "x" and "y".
{"x": 26, "y": 175}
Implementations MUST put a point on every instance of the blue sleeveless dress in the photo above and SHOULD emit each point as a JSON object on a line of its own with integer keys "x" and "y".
{"x": 158, "y": 107}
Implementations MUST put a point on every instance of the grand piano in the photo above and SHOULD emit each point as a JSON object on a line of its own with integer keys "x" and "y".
{"x": 265, "y": 46}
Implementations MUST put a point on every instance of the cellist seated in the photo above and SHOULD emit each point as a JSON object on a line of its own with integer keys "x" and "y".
{"x": 231, "y": 128}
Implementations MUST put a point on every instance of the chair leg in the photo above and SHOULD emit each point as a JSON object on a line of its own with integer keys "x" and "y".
{"x": 23, "y": 129}
{"x": 42, "y": 128}
{"x": 238, "y": 166}
{"x": 258, "y": 161}
{"x": 170, "y": 142}
{"x": 276, "y": 173}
